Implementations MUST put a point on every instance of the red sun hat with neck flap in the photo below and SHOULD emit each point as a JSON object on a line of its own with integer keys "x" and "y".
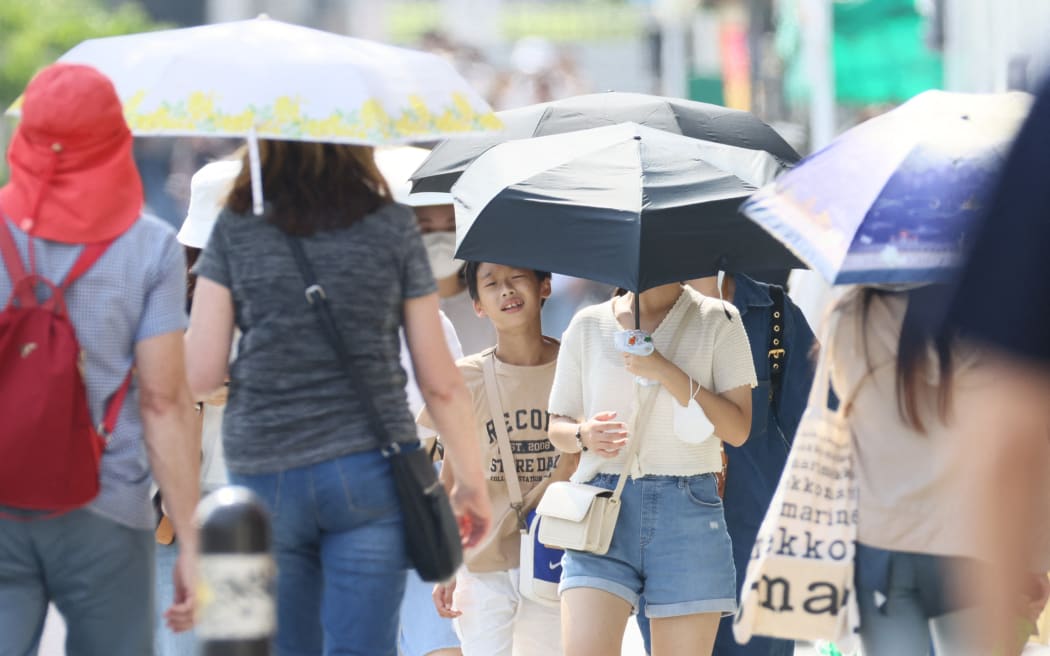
{"x": 73, "y": 175}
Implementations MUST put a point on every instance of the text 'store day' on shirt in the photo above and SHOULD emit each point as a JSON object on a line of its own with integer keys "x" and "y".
{"x": 524, "y": 392}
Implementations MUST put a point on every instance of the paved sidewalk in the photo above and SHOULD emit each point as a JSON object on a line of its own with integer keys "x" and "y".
{"x": 55, "y": 635}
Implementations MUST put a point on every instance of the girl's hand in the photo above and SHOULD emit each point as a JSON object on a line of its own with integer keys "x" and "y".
{"x": 646, "y": 366}
{"x": 604, "y": 436}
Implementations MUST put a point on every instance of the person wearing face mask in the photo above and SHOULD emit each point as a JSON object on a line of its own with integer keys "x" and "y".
{"x": 438, "y": 225}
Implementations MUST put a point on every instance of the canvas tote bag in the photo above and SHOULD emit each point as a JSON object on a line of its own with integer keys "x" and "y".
{"x": 799, "y": 582}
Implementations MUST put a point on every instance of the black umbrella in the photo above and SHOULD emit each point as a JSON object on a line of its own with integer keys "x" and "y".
{"x": 686, "y": 117}
{"x": 625, "y": 205}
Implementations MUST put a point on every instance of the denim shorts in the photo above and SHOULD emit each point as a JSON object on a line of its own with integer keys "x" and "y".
{"x": 670, "y": 543}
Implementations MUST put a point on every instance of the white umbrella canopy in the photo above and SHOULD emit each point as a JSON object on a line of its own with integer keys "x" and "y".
{"x": 283, "y": 81}
{"x": 267, "y": 79}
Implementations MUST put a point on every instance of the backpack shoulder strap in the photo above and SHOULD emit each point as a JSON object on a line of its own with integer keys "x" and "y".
{"x": 116, "y": 402}
{"x": 87, "y": 258}
{"x": 15, "y": 269}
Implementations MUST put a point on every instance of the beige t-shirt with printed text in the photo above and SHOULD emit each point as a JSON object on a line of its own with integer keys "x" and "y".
{"x": 524, "y": 392}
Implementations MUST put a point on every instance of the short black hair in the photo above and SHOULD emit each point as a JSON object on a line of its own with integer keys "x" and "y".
{"x": 470, "y": 272}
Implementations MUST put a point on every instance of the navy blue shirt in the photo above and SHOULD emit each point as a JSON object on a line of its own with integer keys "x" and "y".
{"x": 755, "y": 468}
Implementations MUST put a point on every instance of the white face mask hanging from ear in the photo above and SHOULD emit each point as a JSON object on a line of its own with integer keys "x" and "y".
{"x": 441, "y": 246}
{"x": 690, "y": 423}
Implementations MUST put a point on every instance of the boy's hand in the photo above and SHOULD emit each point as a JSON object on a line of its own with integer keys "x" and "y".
{"x": 442, "y": 596}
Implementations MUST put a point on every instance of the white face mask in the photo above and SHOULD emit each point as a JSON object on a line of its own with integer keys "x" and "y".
{"x": 690, "y": 423}
{"x": 440, "y": 248}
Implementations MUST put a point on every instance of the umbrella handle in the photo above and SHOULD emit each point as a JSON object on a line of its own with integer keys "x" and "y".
{"x": 255, "y": 169}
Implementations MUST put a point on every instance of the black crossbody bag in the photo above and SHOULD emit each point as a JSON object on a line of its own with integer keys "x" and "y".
{"x": 431, "y": 533}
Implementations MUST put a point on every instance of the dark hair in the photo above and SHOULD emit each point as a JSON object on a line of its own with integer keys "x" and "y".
{"x": 312, "y": 186}
{"x": 470, "y": 272}
{"x": 919, "y": 331}
{"x": 192, "y": 255}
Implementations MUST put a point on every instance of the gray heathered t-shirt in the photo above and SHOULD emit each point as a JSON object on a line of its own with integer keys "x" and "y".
{"x": 291, "y": 403}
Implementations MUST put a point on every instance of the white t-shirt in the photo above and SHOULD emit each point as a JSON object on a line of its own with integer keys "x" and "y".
{"x": 415, "y": 399}
{"x": 475, "y": 333}
{"x": 591, "y": 378}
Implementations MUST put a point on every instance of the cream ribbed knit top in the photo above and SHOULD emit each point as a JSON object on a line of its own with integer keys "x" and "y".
{"x": 591, "y": 378}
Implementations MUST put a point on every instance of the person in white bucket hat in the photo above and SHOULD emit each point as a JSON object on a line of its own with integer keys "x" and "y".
{"x": 423, "y": 632}
{"x": 208, "y": 190}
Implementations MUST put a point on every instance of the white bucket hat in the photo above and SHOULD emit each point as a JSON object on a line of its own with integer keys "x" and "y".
{"x": 397, "y": 164}
{"x": 209, "y": 188}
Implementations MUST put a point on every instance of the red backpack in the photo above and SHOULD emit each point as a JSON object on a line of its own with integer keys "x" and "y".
{"x": 49, "y": 449}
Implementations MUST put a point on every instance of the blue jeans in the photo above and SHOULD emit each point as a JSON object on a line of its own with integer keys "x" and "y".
{"x": 339, "y": 544}
{"x": 98, "y": 573}
{"x": 905, "y": 607}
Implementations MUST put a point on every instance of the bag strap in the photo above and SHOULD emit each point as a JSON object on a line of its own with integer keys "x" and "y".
{"x": 87, "y": 258}
{"x": 644, "y": 408}
{"x": 819, "y": 392}
{"x": 15, "y": 269}
{"x": 777, "y": 353}
{"x": 116, "y": 402}
{"x": 318, "y": 300}
{"x": 506, "y": 452}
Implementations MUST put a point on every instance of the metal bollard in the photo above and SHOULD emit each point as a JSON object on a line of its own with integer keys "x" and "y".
{"x": 235, "y": 575}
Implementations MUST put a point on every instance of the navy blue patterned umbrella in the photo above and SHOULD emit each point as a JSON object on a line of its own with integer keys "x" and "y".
{"x": 893, "y": 200}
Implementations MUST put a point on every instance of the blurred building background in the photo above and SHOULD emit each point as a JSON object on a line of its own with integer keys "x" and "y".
{"x": 809, "y": 67}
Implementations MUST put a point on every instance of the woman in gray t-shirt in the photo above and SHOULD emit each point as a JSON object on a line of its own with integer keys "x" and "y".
{"x": 295, "y": 431}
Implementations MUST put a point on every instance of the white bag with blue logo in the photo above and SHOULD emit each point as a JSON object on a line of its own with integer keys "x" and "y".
{"x": 540, "y": 566}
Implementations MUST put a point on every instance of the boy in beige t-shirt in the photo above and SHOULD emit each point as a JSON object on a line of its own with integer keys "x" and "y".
{"x": 491, "y": 616}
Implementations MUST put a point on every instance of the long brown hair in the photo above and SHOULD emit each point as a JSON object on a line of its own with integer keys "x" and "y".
{"x": 919, "y": 332}
{"x": 312, "y": 186}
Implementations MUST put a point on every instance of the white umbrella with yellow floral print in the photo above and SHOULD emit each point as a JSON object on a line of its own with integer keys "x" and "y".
{"x": 267, "y": 79}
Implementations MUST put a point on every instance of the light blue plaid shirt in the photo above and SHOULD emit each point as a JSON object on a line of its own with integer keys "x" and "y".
{"x": 135, "y": 291}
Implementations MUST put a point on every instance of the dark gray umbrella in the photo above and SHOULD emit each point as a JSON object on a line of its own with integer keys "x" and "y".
{"x": 686, "y": 117}
{"x": 626, "y": 205}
